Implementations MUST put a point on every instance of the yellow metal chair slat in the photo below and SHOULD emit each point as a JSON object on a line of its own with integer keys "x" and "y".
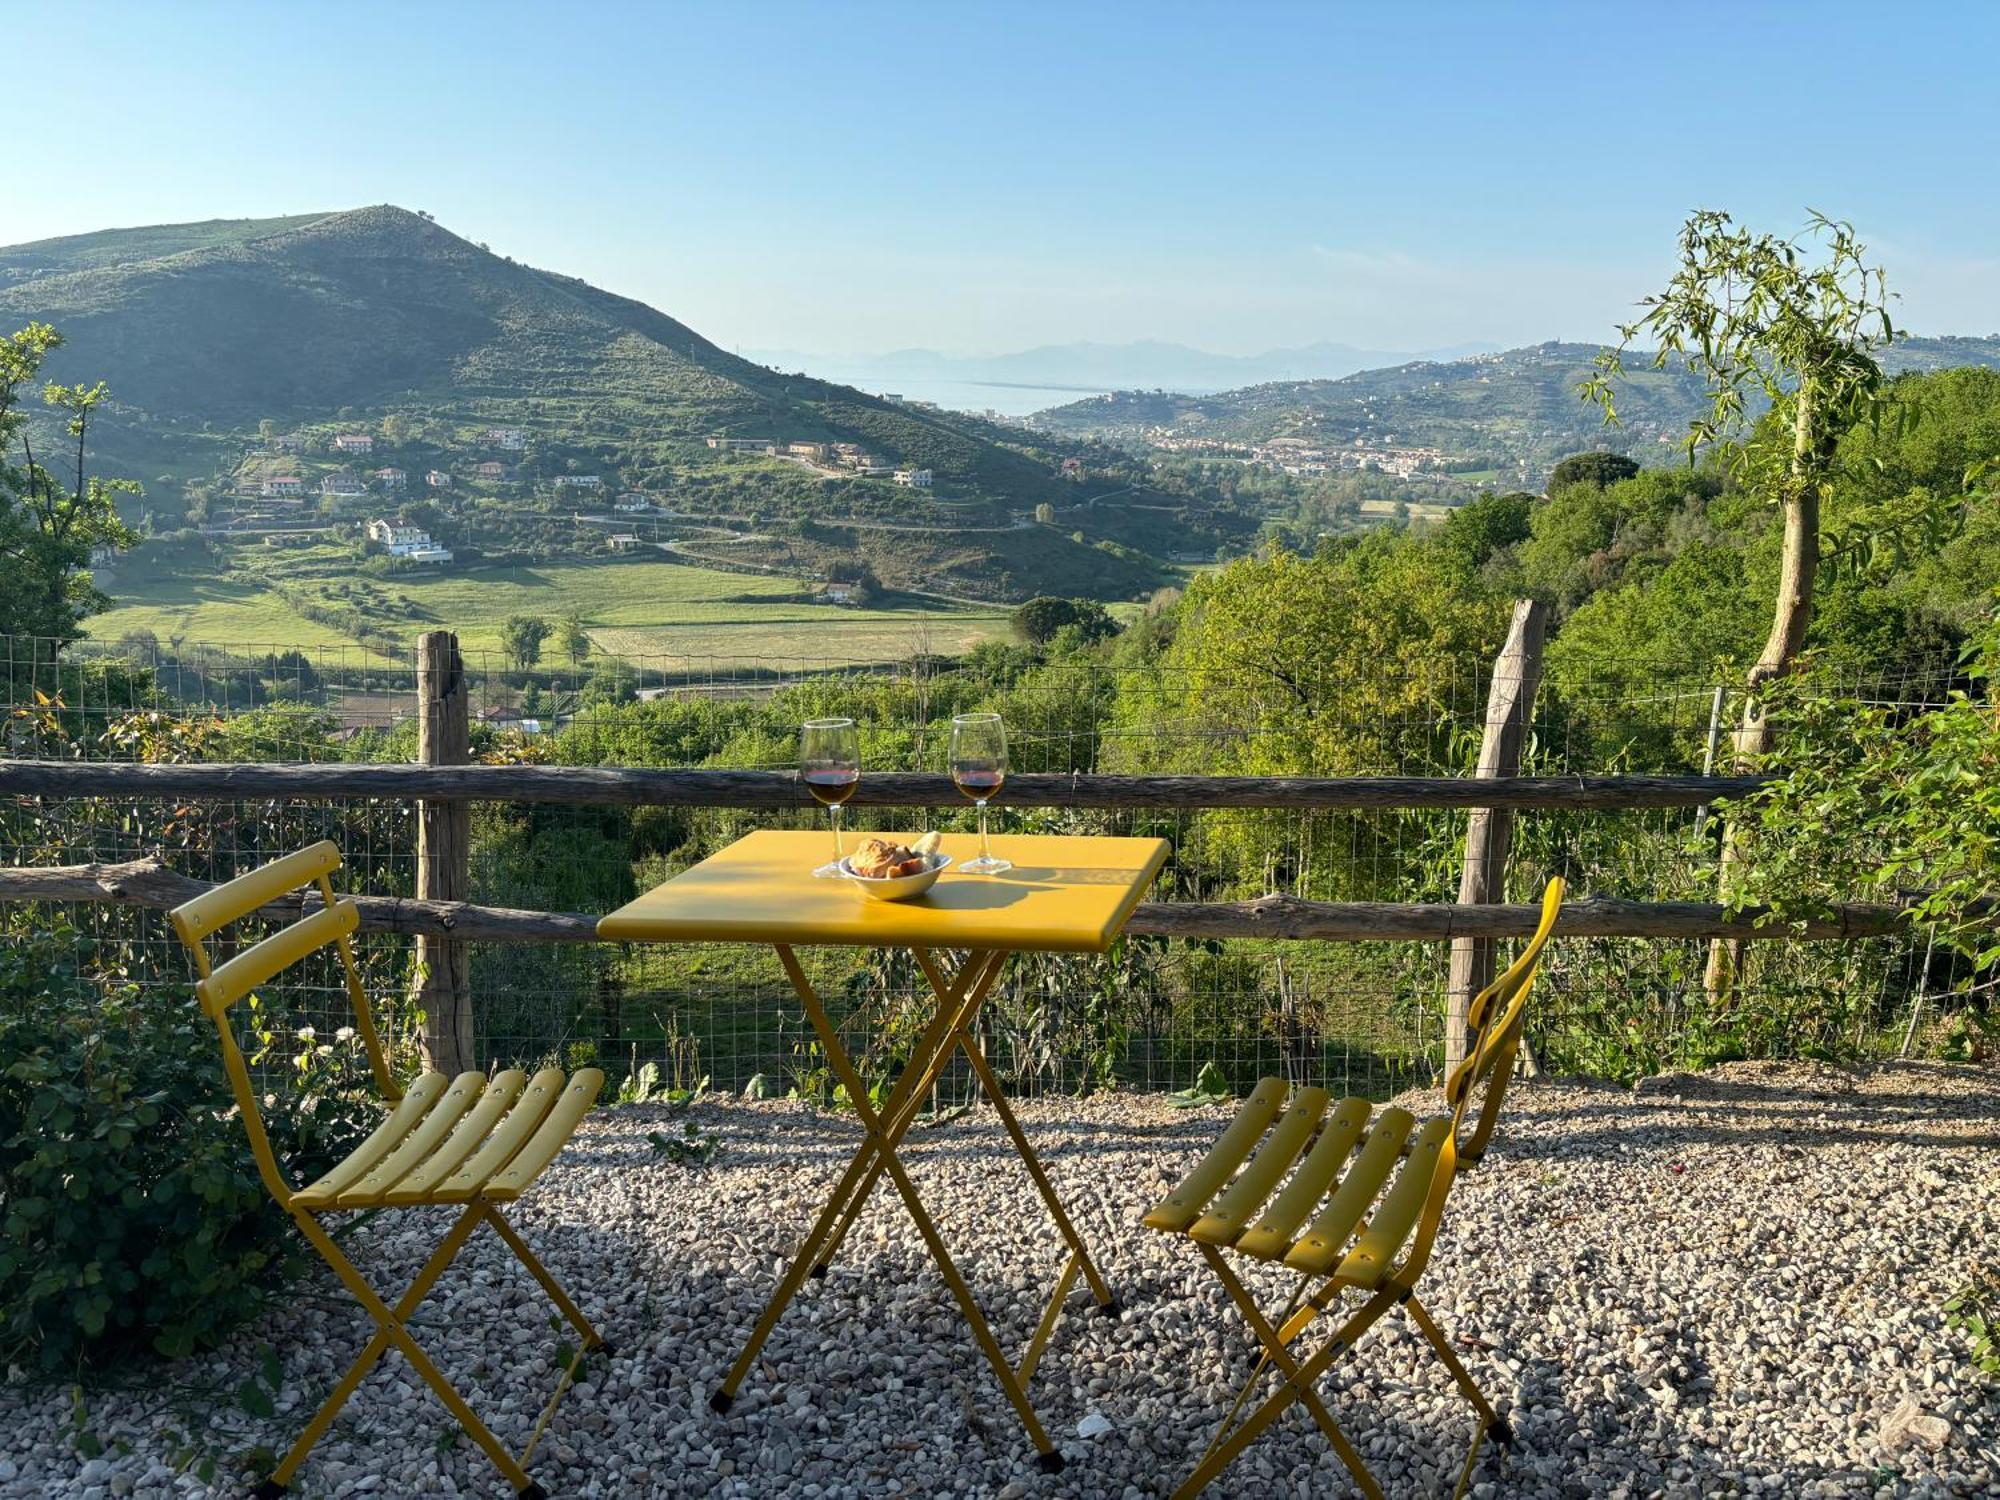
{"x": 437, "y": 1123}
{"x": 283, "y": 948}
{"x": 464, "y": 1140}
{"x": 1379, "y": 1183}
{"x": 1272, "y": 1235}
{"x": 497, "y": 1098}
{"x": 1323, "y": 1240}
{"x": 508, "y": 1137}
{"x": 1184, "y": 1204}
{"x": 413, "y": 1106}
{"x": 506, "y": 1184}
{"x": 1396, "y": 1215}
{"x": 1229, "y": 1214}
{"x": 235, "y": 900}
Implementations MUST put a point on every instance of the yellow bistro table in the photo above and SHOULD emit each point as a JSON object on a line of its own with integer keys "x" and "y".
{"x": 1064, "y": 895}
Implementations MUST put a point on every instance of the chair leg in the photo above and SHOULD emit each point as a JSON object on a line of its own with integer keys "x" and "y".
{"x": 391, "y": 1328}
{"x": 1276, "y": 1353}
{"x": 376, "y": 1347}
{"x": 1301, "y": 1378}
{"x": 592, "y": 1339}
{"x": 1491, "y": 1420}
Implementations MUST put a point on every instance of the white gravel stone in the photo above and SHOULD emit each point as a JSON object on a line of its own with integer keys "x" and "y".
{"x": 1724, "y": 1284}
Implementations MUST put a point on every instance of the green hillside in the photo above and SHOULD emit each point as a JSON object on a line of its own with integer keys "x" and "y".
{"x": 114, "y": 247}
{"x": 227, "y": 323}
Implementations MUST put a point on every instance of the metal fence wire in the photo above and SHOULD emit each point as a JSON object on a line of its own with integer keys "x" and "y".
{"x": 1157, "y": 1014}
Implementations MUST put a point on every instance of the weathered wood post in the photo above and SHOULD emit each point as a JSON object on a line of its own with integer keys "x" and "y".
{"x": 444, "y": 849}
{"x": 1490, "y": 833}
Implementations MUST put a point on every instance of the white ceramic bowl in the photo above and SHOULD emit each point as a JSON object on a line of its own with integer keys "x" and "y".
{"x": 897, "y": 887}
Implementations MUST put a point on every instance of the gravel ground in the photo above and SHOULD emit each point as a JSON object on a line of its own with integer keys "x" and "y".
{"x": 1724, "y": 1284}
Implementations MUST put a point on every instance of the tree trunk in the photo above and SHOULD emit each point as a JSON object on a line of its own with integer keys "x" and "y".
{"x": 1752, "y": 739}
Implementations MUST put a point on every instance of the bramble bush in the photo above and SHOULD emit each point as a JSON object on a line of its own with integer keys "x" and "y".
{"x": 132, "y": 1217}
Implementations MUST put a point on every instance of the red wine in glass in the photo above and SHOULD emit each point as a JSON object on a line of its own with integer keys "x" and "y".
{"x": 831, "y": 788}
{"x": 830, "y": 766}
{"x": 978, "y": 767}
{"x": 977, "y": 786}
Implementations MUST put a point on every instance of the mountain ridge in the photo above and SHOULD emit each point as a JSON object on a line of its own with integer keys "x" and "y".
{"x": 1094, "y": 365}
{"x": 1515, "y": 406}
{"x": 228, "y": 322}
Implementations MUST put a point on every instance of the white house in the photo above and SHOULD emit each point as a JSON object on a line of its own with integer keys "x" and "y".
{"x": 391, "y": 479}
{"x": 342, "y": 483}
{"x": 411, "y": 543}
{"x": 839, "y": 591}
{"x": 437, "y": 479}
{"x": 282, "y": 487}
{"x": 623, "y": 541}
{"x": 633, "y": 504}
{"x": 579, "y": 482}
{"x": 354, "y": 442}
{"x": 914, "y": 478}
{"x": 510, "y": 438}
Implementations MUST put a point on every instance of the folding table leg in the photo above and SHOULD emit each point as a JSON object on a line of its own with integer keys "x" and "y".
{"x": 1050, "y": 1459}
{"x": 990, "y": 1085}
{"x": 851, "y": 1192}
{"x": 958, "y": 1000}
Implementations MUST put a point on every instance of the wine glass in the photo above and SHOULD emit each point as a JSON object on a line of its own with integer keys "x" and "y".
{"x": 978, "y": 767}
{"x": 830, "y": 766}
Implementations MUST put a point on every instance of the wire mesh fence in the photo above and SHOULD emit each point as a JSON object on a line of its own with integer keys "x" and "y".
{"x": 1156, "y": 1013}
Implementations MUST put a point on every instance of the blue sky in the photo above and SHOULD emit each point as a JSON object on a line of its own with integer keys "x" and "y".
{"x": 861, "y": 177}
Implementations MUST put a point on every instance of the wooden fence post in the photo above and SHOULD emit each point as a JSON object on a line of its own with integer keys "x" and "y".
{"x": 444, "y": 848}
{"x": 1490, "y": 833}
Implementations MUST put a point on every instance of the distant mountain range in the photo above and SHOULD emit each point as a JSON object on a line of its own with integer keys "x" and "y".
{"x": 1148, "y": 364}
{"x": 215, "y": 326}
{"x": 1514, "y": 407}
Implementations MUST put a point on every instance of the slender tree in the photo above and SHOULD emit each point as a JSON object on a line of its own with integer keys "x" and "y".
{"x": 1795, "y": 324}
{"x": 50, "y": 522}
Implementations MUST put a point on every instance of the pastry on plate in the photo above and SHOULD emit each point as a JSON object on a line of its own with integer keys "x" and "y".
{"x": 885, "y": 859}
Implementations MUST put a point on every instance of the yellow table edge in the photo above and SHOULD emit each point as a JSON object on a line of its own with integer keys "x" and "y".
{"x": 632, "y": 924}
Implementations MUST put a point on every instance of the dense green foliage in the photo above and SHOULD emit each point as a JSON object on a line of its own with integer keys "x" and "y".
{"x": 1876, "y": 803}
{"x": 132, "y": 1216}
{"x": 1040, "y": 620}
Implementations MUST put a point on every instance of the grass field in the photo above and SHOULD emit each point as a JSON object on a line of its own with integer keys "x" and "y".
{"x": 644, "y": 608}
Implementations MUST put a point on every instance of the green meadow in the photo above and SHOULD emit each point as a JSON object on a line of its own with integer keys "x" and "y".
{"x": 640, "y": 609}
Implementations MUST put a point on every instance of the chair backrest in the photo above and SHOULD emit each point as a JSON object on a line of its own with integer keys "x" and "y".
{"x": 1495, "y": 1017}
{"x": 220, "y": 986}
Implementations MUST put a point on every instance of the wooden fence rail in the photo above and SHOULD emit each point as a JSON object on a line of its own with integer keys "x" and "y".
{"x": 149, "y": 883}
{"x": 615, "y": 786}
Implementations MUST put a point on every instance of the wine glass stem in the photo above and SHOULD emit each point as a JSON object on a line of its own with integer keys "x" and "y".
{"x": 833, "y": 813}
{"x": 985, "y": 848}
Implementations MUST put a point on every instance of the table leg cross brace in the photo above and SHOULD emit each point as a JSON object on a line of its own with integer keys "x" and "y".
{"x": 959, "y": 998}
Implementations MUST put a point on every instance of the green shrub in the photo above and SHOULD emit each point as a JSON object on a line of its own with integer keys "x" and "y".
{"x": 132, "y": 1216}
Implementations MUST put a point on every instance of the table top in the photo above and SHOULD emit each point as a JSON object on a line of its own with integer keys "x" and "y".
{"x": 1064, "y": 895}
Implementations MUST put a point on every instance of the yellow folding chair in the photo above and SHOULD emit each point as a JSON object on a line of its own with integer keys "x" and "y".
{"x": 473, "y": 1142}
{"x": 1363, "y": 1223}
